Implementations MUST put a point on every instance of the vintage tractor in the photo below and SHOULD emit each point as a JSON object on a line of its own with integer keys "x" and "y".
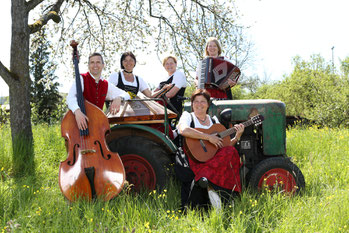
{"x": 146, "y": 144}
{"x": 262, "y": 148}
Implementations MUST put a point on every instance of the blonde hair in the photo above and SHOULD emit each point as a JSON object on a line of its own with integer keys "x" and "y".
{"x": 215, "y": 40}
{"x": 166, "y": 59}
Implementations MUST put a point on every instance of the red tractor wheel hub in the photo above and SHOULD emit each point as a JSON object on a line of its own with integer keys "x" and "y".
{"x": 278, "y": 179}
{"x": 139, "y": 172}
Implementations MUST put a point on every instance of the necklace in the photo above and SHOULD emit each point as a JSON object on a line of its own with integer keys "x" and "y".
{"x": 202, "y": 121}
{"x": 129, "y": 72}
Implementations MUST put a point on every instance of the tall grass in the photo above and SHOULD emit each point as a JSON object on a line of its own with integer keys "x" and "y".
{"x": 35, "y": 203}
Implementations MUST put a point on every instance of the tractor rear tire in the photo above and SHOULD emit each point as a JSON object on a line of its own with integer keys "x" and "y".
{"x": 146, "y": 163}
{"x": 277, "y": 174}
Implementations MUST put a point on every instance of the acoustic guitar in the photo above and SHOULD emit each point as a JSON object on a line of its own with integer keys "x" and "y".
{"x": 202, "y": 150}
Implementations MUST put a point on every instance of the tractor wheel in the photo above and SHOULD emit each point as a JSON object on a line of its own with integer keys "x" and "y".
{"x": 277, "y": 174}
{"x": 146, "y": 163}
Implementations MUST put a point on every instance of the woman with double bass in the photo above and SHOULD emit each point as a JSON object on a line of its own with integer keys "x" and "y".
{"x": 91, "y": 170}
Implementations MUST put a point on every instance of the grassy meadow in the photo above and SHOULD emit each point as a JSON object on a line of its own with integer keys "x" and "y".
{"x": 35, "y": 204}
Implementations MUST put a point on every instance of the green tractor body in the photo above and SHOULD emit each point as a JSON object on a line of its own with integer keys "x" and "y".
{"x": 274, "y": 124}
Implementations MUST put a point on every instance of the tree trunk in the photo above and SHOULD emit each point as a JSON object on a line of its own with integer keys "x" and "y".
{"x": 19, "y": 88}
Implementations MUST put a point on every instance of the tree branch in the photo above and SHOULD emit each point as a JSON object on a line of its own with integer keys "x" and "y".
{"x": 32, "y": 4}
{"x": 51, "y": 14}
{"x": 6, "y": 74}
{"x": 167, "y": 22}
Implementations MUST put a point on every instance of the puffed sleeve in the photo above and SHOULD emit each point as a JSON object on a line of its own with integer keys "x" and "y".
{"x": 114, "y": 92}
{"x": 72, "y": 100}
{"x": 185, "y": 119}
{"x": 114, "y": 78}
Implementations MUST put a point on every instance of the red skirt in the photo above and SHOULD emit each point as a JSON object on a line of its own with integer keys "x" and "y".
{"x": 222, "y": 170}
{"x": 217, "y": 93}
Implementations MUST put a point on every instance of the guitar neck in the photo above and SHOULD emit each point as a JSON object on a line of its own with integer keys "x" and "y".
{"x": 232, "y": 130}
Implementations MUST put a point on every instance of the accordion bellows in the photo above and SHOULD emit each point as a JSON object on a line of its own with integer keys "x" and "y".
{"x": 215, "y": 72}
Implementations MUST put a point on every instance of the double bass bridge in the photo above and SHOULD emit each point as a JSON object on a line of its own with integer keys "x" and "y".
{"x": 86, "y": 151}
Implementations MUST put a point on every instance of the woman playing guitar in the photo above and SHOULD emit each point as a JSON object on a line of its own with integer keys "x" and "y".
{"x": 220, "y": 173}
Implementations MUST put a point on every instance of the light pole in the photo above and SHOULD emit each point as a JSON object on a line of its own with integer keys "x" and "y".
{"x": 332, "y": 56}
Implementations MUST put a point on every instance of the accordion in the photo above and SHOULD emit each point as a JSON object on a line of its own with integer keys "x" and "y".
{"x": 215, "y": 72}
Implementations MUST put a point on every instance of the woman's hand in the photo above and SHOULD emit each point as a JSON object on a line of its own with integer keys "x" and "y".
{"x": 231, "y": 83}
{"x": 217, "y": 141}
{"x": 166, "y": 86}
{"x": 239, "y": 130}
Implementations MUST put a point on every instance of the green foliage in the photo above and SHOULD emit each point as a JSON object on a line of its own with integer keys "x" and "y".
{"x": 345, "y": 67}
{"x": 35, "y": 204}
{"x": 237, "y": 92}
{"x": 190, "y": 90}
{"x": 45, "y": 99}
{"x": 314, "y": 91}
{"x": 4, "y": 115}
{"x": 23, "y": 165}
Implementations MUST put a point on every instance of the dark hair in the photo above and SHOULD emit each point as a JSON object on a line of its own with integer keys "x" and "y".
{"x": 123, "y": 57}
{"x": 202, "y": 92}
{"x": 94, "y": 55}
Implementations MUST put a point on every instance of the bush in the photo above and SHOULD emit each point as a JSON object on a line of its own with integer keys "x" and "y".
{"x": 313, "y": 91}
{"x": 4, "y": 115}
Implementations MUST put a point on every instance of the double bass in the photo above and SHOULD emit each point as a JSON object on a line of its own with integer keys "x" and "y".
{"x": 91, "y": 170}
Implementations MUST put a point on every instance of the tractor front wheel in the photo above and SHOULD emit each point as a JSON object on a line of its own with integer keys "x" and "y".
{"x": 277, "y": 174}
{"x": 146, "y": 163}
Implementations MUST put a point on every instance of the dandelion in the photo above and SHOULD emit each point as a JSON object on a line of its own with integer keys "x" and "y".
{"x": 38, "y": 212}
{"x": 146, "y": 225}
{"x": 2, "y": 168}
{"x": 168, "y": 211}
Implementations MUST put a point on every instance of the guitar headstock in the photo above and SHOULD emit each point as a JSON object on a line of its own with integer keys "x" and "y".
{"x": 257, "y": 120}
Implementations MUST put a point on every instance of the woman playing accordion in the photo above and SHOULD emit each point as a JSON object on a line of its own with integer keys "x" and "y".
{"x": 215, "y": 73}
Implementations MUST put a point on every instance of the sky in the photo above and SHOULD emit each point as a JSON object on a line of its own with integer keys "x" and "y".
{"x": 279, "y": 30}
